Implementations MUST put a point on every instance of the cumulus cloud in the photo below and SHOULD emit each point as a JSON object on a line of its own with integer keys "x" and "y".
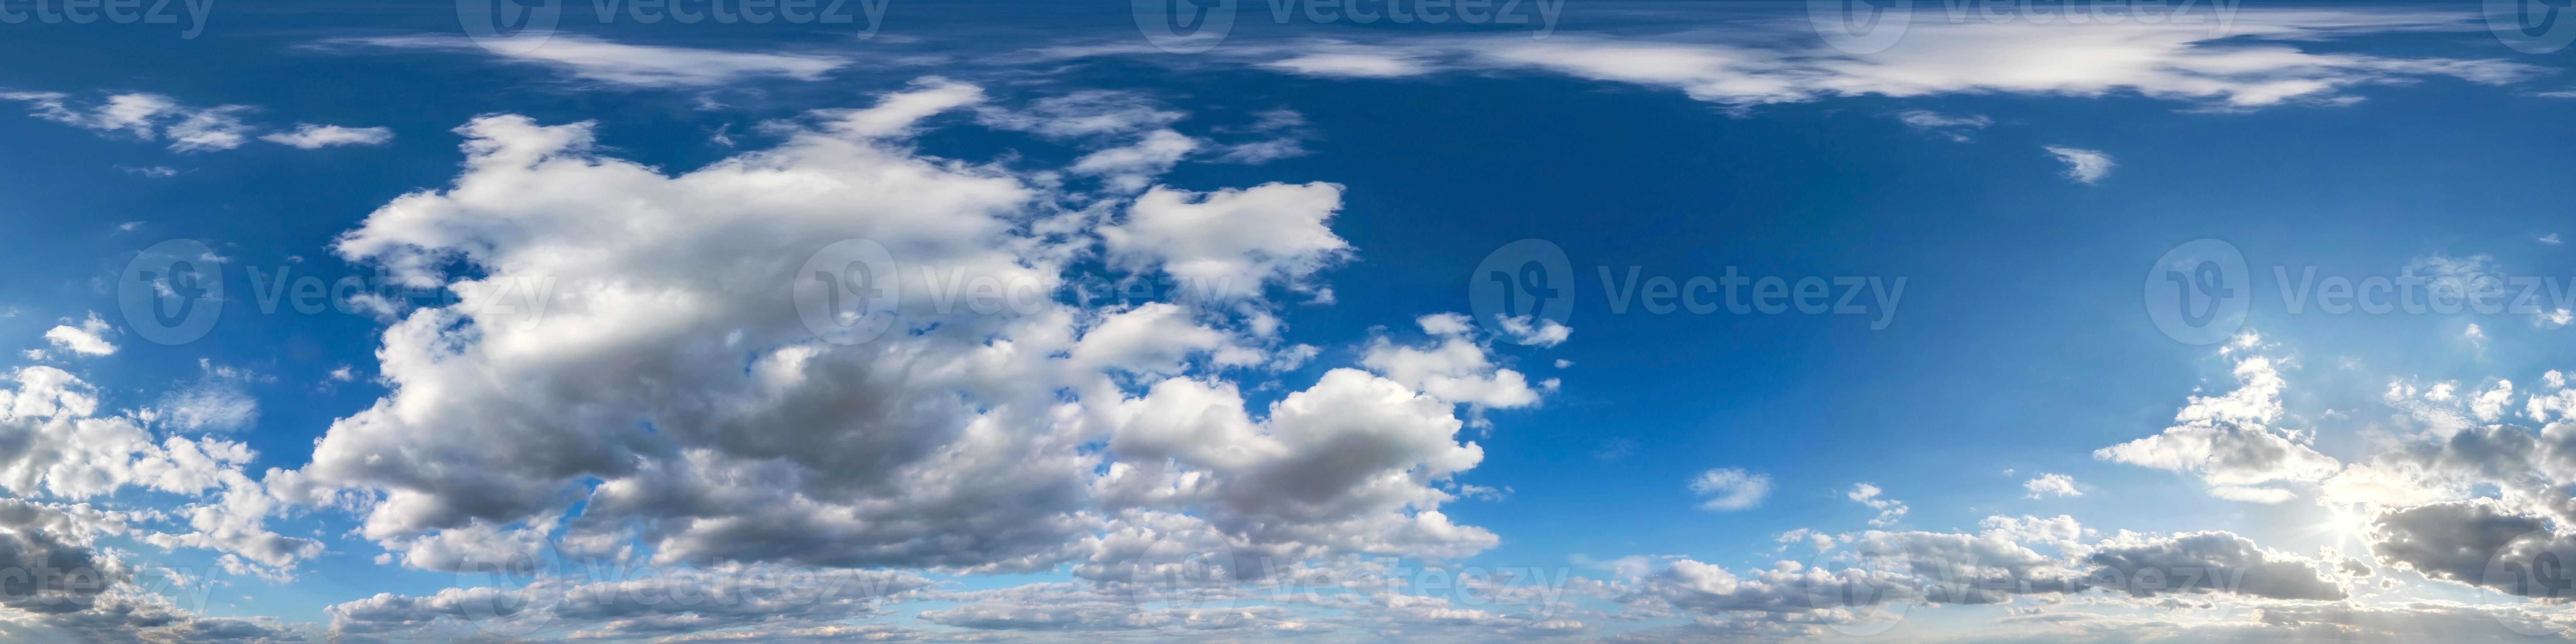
{"x": 90, "y": 338}
{"x": 1730, "y": 489}
{"x": 981, "y": 434}
{"x": 53, "y": 444}
{"x": 309, "y": 136}
{"x": 1231, "y": 243}
{"x": 2052, "y": 485}
{"x": 2227, "y": 440}
{"x": 1889, "y": 510}
{"x": 2009, "y": 557}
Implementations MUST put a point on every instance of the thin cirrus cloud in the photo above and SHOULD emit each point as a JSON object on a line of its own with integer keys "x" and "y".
{"x": 2263, "y": 58}
{"x": 632, "y": 65}
{"x": 309, "y": 136}
{"x": 2084, "y": 166}
{"x": 1731, "y": 489}
{"x": 153, "y": 117}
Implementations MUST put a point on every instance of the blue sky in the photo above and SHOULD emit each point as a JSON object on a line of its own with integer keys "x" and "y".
{"x": 1179, "y": 334}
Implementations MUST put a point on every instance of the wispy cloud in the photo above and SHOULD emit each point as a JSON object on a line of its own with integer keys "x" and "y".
{"x": 635, "y": 65}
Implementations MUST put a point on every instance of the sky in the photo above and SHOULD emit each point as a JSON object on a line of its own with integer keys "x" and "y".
{"x": 1288, "y": 320}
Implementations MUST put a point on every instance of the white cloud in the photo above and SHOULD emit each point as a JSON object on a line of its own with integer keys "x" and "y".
{"x": 2550, "y": 239}
{"x": 219, "y": 400}
{"x": 1949, "y": 126}
{"x": 147, "y": 117}
{"x": 2267, "y": 57}
{"x": 2227, "y": 440}
{"x": 90, "y": 338}
{"x": 636, "y": 65}
{"x": 972, "y": 438}
{"x": 2052, "y": 484}
{"x": 1889, "y": 510}
{"x": 1731, "y": 489}
{"x": 2087, "y": 166}
{"x": 309, "y": 136}
{"x": 1230, "y": 243}
{"x": 1353, "y": 61}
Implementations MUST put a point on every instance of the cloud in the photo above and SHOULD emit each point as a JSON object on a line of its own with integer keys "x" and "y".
{"x": 1353, "y": 61}
{"x": 52, "y": 443}
{"x": 309, "y": 136}
{"x": 2550, "y": 239}
{"x": 218, "y": 401}
{"x": 1230, "y": 243}
{"x": 2226, "y": 440}
{"x": 2459, "y": 541}
{"x": 147, "y": 117}
{"x": 615, "y": 63}
{"x": 2052, "y": 484}
{"x": 1889, "y": 510}
{"x": 1949, "y": 126}
{"x": 90, "y": 338}
{"x": 2087, "y": 166}
{"x": 1014, "y": 433}
{"x": 2264, "y": 58}
{"x": 1731, "y": 489}
{"x": 2227, "y": 563}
